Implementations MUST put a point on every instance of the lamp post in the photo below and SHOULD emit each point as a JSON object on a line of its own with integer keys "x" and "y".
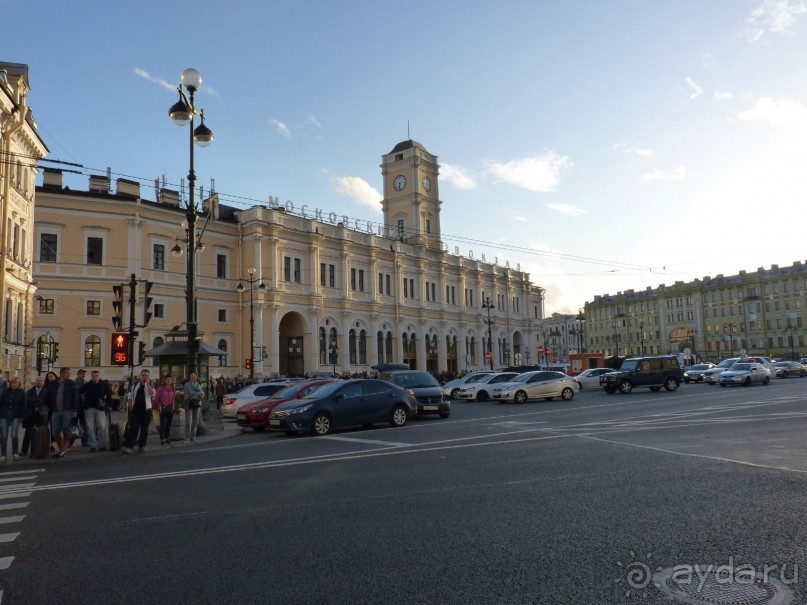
{"x": 486, "y": 304}
{"x": 641, "y": 335}
{"x": 731, "y": 326}
{"x": 581, "y": 318}
{"x": 240, "y": 288}
{"x": 791, "y": 326}
{"x": 432, "y": 349}
{"x": 334, "y": 350}
{"x": 182, "y": 113}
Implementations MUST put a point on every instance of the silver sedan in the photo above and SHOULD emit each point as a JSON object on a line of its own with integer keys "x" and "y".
{"x": 537, "y": 385}
{"x": 745, "y": 373}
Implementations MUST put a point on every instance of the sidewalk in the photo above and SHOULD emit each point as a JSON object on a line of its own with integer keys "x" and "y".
{"x": 215, "y": 427}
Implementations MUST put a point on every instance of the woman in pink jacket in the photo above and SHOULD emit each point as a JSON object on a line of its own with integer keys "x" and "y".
{"x": 164, "y": 402}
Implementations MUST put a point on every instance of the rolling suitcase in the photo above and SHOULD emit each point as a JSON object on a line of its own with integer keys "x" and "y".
{"x": 40, "y": 441}
{"x": 114, "y": 434}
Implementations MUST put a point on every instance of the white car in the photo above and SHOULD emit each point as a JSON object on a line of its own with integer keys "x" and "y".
{"x": 744, "y": 373}
{"x": 452, "y": 387}
{"x": 482, "y": 389}
{"x": 590, "y": 379}
{"x": 536, "y": 385}
{"x": 253, "y": 392}
{"x": 712, "y": 376}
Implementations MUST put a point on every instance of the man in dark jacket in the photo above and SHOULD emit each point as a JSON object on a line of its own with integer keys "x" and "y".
{"x": 12, "y": 409}
{"x": 96, "y": 397}
{"x": 35, "y": 399}
{"x": 62, "y": 398}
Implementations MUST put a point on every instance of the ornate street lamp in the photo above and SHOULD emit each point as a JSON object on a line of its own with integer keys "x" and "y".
{"x": 486, "y": 304}
{"x": 240, "y": 288}
{"x": 334, "y": 350}
{"x": 641, "y": 334}
{"x": 182, "y": 113}
{"x": 731, "y": 326}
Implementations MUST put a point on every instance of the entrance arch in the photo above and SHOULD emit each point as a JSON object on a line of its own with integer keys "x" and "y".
{"x": 680, "y": 339}
{"x": 291, "y": 343}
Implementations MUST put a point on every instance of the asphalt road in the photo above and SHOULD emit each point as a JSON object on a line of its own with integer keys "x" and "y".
{"x": 546, "y": 502}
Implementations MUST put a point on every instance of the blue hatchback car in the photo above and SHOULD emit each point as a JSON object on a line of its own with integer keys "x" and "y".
{"x": 359, "y": 402}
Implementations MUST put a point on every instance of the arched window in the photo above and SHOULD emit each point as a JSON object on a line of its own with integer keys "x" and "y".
{"x": 323, "y": 346}
{"x": 20, "y": 322}
{"x": 388, "y": 348}
{"x": 7, "y": 328}
{"x": 157, "y": 342}
{"x": 352, "y": 345}
{"x": 92, "y": 351}
{"x": 379, "y": 346}
{"x": 363, "y": 348}
{"x": 222, "y": 346}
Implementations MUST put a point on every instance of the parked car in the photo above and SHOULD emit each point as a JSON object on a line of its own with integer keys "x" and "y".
{"x": 652, "y": 372}
{"x": 451, "y": 388}
{"x": 695, "y": 373}
{"x": 356, "y": 402}
{"x": 253, "y": 392}
{"x": 744, "y": 373}
{"x": 786, "y": 369}
{"x": 255, "y": 415}
{"x": 590, "y": 379}
{"x": 424, "y": 387}
{"x": 537, "y": 385}
{"x": 482, "y": 389}
{"x": 713, "y": 376}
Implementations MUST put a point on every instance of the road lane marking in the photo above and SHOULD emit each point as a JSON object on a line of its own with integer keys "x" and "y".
{"x": 14, "y": 495}
{"x": 9, "y": 520}
{"x": 368, "y": 441}
{"x": 13, "y": 488}
{"x": 13, "y": 506}
{"x": 9, "y": 479}
{"x": 28, "y": 472}
{"x": 9, "y": 537}
{"x": 5, "y": 562}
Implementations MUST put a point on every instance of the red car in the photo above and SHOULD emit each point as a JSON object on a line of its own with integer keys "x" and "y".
{"x": 255, "y": 415}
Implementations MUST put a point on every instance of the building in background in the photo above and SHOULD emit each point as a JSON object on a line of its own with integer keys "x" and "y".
{"x": 758, "y": 312}
{"x": 20, "y": 149}
{"x": 339, "y": 293}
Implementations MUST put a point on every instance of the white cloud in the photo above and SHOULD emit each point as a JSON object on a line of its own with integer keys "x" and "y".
{"x": 640, "y": 151}
{"x": 566, "y": 209}
{"x": 694, "y": 87}
{"x": 157, "y": 80}
{"x": 778, "y": 113}
{"x": 312, "y": 121}
{"x": 359, "y": 189}
{"x": 535, "y": 173}
{"x": 773, "y": 17}
{"x": 457, "y": 176}
{"x": 281, "y": 128}
{"x": 723, "y": 96}
{"x": 679, "y": 174}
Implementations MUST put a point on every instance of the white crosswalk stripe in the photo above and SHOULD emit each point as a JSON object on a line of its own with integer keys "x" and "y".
{"x": 9, "y": 537}
{"x": 13, "y": 505}
{"x": 5, "y": 562}
{"x": 15, "y": 519}
{"x": 14, "y": 495}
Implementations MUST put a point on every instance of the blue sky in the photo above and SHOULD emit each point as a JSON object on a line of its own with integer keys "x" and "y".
{"x": 604, "y": 146}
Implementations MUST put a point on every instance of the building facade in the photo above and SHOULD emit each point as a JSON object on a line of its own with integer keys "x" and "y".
{"x": 562, "y": 334}
{"x": 758, "y": 312}
{"x": 20, "y": 149}
{"x": 339, "y": 293}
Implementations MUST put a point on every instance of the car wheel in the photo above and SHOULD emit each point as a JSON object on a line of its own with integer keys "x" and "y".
{"x": 655, "y": 388}
{"x": 625, "y": 386}
{"x": 747, "y": 381}
{"x": 609, "y": 390}
{"x": 398, "y": 416}
{"x": 445, "y": 414}
{"x": 802, "y": 374}
{"x": 482, "y": 395}
{"x": 454, "y": 393}
{"x": 671, "y": 384}
{"x": 767, "y": 380}
{"x": 785, "y": 374}
{"x": 520, "y": 397}
{"x": 566, "y": 394}
{"x": 321, "y": 424}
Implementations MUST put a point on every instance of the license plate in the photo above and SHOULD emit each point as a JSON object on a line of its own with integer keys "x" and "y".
{"x": 242, "y": 416}
{"x": 274, "y": 422}
{"x": 430, "y": 408}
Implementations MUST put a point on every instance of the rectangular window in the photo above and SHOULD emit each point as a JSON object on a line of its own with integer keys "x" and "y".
{"x": 286, "y": 268}
{"x": 405, "y": 288}
{"x": 47, "y": 247}
{"x": 93, "y": 307}
{"x": 298, "y": 272}
{"x": 332, "y": 276}
{"x": 434, "y": 292}
{"x": 47, "y": 306}
{"x": 159, "y": 257}
{"x": 95, "y": 250}
{"x": 221, "y": 266}
{"x": 361, "y": 280}
{"x": 353, "y": 279}
{"x": 401, "y": 227}
{"x": 389, "y": 284}
{"x": 428, "y": 226}
{"x": 159, "y": 310}
{"x": 222, "y": 315}
{"x": 381, "y": 283}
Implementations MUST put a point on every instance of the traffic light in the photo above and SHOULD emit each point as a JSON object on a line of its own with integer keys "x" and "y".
{"x": 120, "y": 348}
{"x": 54, "y": 352}
{"x": 147, "y": 300}
{"x": 248, "y": 364}
{"x": 117, "y": 307}
{"x": 141, "y": 353}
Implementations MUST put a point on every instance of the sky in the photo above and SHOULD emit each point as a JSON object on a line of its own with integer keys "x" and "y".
{"x": 599, "y": 145}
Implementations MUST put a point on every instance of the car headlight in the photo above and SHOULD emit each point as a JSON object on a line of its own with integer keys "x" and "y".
{"x": 305, "y": 408}
{"x": 260, "y": 411}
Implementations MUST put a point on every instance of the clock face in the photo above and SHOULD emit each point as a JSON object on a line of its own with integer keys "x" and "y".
{"x": 399, "y": 183}
{"x": 427, "y": 183}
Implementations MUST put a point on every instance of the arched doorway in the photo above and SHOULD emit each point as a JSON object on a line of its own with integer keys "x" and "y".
{"x": 680, "y": 339}
{"x": 292, "y": 345}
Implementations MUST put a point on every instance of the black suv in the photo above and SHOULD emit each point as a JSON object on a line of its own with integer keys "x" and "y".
{"x": 654, "y": 372}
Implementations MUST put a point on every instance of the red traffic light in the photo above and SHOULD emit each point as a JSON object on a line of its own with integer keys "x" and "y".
{"x": 121, "y": 349}
{"x": 248, "y": 364}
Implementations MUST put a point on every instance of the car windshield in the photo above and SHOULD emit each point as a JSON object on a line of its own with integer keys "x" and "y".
{"x": 701, "y": 366}
{"x": 741, "y": 367}
{"x": 782, "y": 364}
{"x": 523, "y": 377}
{"x": 288, "y": 392}
{"x": 629, "y": 364}
{"x": 325, "y": 390}
{"x": 475, "y": 378}
{"x": 415, "y": 380}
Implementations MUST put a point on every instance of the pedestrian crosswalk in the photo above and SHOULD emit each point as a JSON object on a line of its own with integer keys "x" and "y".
{"x": 15, "y": 489}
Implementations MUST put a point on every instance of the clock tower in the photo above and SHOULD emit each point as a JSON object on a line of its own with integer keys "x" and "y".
{"x": 411, "y": 202}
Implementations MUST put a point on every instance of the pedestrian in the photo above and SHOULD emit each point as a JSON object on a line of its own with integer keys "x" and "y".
{"x": 123, "y": 390}
{"x": 192, "y": 399}
{"x": 62, "y": 400}
{"x": 96, "y": 399}
{"x": 46, "y": 409}
{"x": 12, "y": 409}
{"x": 165, "y": 403}
{"x": 34, "y": 415}
{"x": 139, "y": 405}
{"x": 82, "y": 421}
{"x": 220, "y": 392}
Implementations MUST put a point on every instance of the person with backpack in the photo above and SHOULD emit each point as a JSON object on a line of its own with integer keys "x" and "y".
{"x": 12, "y": 409}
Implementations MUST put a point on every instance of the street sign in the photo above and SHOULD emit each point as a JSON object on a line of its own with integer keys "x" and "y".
{"x": 540, "y": 350}
{"x": 488, "y": 356}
